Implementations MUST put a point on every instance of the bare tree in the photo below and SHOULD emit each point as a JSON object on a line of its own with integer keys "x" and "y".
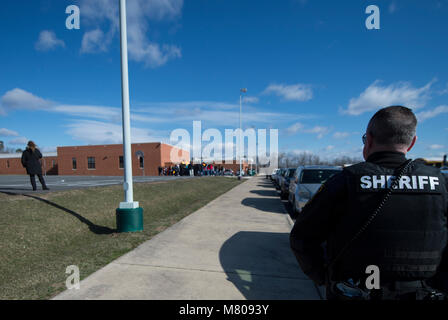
{"x": 307, "y": 158}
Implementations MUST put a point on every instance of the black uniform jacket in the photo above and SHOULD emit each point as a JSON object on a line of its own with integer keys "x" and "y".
{"x": 406, "y": 239}
{"x": 31, "y": 161}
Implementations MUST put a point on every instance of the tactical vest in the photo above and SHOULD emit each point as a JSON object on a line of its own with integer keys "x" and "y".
{"x": 407, "y": 238}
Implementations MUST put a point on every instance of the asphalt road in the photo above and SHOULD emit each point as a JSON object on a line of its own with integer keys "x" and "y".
{"x": 21, "y": 183}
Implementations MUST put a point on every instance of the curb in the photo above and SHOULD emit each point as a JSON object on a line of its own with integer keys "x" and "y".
{"x": 289, "y": 219}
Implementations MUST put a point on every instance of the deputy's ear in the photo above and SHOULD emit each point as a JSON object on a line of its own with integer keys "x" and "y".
{"x": 412, "y": 143}
{"x": 369, "y": 140}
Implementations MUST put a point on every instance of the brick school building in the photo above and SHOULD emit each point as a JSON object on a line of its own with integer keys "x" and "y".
{"x": 100, "y": 160}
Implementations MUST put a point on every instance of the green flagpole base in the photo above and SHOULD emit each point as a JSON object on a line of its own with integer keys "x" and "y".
{"x": 129, "y": 220}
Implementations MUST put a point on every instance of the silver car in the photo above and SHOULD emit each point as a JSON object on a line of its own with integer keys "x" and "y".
{"x": 308, "y": 181}
{"x": 274, "y": 174}
{"x": 278, "y": 178}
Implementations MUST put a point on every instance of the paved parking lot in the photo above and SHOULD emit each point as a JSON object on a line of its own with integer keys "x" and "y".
{"x": 21, "y": 183}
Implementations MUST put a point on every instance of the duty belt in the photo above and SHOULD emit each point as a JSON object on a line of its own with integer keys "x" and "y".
{"x": 398, "y": 285}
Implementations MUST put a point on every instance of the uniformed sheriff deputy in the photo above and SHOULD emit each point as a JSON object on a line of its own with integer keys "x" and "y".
{"x": 406, "y": 239}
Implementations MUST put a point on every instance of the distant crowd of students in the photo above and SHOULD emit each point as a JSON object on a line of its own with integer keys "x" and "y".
{"x": 191, "y": 170}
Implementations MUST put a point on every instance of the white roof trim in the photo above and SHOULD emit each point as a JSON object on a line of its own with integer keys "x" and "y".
{"x": 19, "y": 155}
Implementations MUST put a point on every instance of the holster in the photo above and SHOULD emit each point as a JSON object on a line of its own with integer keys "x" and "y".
{"x": 333, "y": 293}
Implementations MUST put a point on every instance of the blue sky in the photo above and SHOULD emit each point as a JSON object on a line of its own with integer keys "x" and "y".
{"x": 312, "y": 69}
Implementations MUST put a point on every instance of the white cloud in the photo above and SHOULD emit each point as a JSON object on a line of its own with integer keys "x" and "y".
{"x": 217, "y": 114}
{"x": 96, "y": 112}
{"x": 7, "y": 133}
{"x": 300, "y": 151}
{"x": 425, "y": 115}
{"x": 18, "y": 141}
{"x": 320, "y": 131}
{"x": 296, "y": 127}
{"x": 48, "y": 41}
{"x": 296, "y": 92}
{"x": 341, "y": 135}
{"x": 139, "y": 13}
{"x": 48, "y": 149}
{"x": 329, "y": 148}
{"x": 212, "y": 113}
{"x": 444, "y": 91}
{"x": 377, "y": 96}
{"x": 96, "y": 132}
{"x": 100, "y": 11}
{"x": 187, "y": 105}
{"x": 152, "y": 54}
{"x": 435, "y": 147}
{"x": 18, "y": 99}
{"x": 94, "y": 41}
{"x": 250, "y": 99}
{"x": 299, "y": 127}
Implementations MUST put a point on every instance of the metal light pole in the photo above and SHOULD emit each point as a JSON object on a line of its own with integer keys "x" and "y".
{"x": 129, "y": 215}
{"x": 256, "y": 159}
{"x": 256, "y": 151}
{"x": 243, "y": 90}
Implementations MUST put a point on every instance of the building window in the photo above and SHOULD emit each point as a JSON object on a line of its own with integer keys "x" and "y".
{"x": 74, "y": 163}
{"x": 142, "y": 164}
{"x": 121, "y": 162}
{"x": 91, "y": 163}
{"x": 7, "y": 163}
{"x": 53, "y": 163}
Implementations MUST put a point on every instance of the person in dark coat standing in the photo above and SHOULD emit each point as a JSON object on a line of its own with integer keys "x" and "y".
{"x": 31, "y": 161}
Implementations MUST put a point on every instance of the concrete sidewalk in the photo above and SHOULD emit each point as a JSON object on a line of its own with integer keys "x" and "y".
{"x": 236, "y": 247}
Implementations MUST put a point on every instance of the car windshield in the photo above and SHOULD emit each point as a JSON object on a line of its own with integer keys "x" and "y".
{"x": 291, "y": 172}
{"x": 314, "y": 176}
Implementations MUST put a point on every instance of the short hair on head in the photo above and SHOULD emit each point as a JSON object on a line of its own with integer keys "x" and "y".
{"x": 394, "y": 125}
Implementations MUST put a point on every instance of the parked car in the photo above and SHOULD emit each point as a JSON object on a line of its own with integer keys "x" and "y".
{"x": 274, "y": 174}
{"x": 309, "y": 180}
{"x": 278, "y": 177}
{"x": 292, "y": 186}
{"x": 284, "y": 187}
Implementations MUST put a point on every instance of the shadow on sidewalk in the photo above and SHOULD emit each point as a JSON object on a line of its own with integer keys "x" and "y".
{"x": 273, "y": 205}
{"x": 261, "y": 265}
{"x": 266, "y": 193}
{"x": 93, "y": 227}
{"x": 265, "y": 184}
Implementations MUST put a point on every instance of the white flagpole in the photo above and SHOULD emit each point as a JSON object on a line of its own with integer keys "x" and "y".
{"x": 129, "y": 215}
{"x": 128, "y": 185}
